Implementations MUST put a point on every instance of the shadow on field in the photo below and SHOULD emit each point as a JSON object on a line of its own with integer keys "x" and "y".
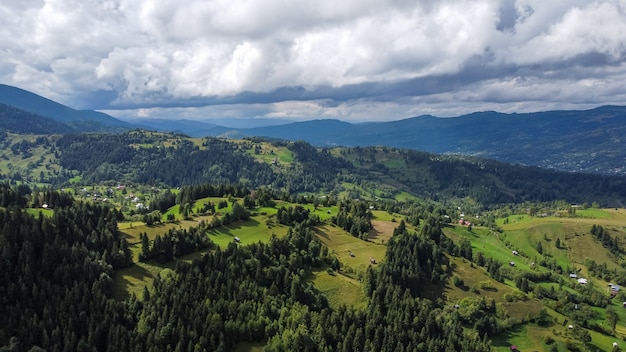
{"x": 128, "y": 278}
{"x": 228, "y": 229}
{"x": 320, "y": 233}
{"x": 504, "y": 339}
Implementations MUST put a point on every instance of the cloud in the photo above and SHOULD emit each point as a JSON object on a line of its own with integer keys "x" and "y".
{"x": 352, "y": 59}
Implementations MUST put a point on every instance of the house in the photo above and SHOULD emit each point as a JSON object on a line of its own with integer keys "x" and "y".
{"x": 237, "y": 239}
{"x": 351, "y": 254}
{"x": 573, "y": 275}
{"x": 372, "y": 260}
{"x": 582, "y": 281}
{"x": 511, "y": 263}
{"x": 515, "y": 252}
{"x": 614, "y": 288}
{"x": 513, "y": 348}
{"x": 624, "y": 304}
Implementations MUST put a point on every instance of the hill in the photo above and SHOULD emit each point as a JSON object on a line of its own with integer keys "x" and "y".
{"x": 78, "y": 120}
{"x": 587, "y": 141}
{"x": 316, "y": 254}
{"x": 171, "y": 160}
{"x": 20, "y": 121}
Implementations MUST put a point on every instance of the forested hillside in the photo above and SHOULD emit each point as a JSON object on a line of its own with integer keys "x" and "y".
{"x": 168, "y": 160}
{"x": 58, "y": 294}
{"x": 580, "y": 141}
{"x": 147, "y": 241}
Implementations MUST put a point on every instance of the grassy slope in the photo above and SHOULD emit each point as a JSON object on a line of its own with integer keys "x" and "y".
{"x": 522, "y": 233}
{"x": 41, "y": 160}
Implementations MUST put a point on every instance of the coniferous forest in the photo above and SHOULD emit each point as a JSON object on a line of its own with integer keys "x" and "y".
{"x": 57, "y": 295}
{"x": 244, "y": 239}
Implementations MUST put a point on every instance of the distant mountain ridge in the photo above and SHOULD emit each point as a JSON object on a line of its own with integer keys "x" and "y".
{"x": 577, "y": 140}
{"x": 77, "y": 120}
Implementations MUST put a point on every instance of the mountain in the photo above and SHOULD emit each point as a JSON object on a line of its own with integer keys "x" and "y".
{"x": 199, "y": 128}
{"x": 20, "y": 121}
{"x": 587, "y": 141}
{"x": 78, "y": 120}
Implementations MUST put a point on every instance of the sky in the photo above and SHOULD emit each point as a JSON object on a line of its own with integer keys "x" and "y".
{"x": 353, "y": 60}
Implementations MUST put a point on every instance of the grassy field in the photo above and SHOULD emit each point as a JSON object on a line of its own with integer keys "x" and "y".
{"x": 521, "y": 233}
{"x": 133, "y": 279}
{"x": 250, "y": 231}
{"x": 40, "y": 160}
{"x": 342, "y": 243}
{"x": 339, "y": 289}
{"x": 478, "y": 283}
{"x": 36, "y": 211}
{"x": 271, "y": 154}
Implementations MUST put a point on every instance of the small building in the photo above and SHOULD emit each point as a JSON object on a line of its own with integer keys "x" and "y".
{"x": 511, "y": 263}
{"x": 573, "y": 275}
{"x": 372, "y": 260}
{"x": 515, "y": 252}
{"x": 582, "y": 281}
{"x": 351, "y": 254}
{"x": 237, "y": 239}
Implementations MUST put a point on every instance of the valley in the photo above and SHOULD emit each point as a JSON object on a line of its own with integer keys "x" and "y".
{"x": 360, "y": 234}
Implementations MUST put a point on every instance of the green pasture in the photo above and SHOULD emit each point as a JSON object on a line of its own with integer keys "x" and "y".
{"x": 342, "y": 243}
{"x": 268, "y": 153}
{"x": 35, "y": 212}
{"x": 324, "y": 213}
{"x": 477, "y": 283}
{"x": 491, "y": 244}
{"x": 250, "y": 231}
{"x": 339, "y": 289}
{"x": 133, "y": 279}
{"x": 577, "y": 244}
{"x": 593, "y": 213}
{"x": 404, "y": 196}
{"x": 386, "y": 216}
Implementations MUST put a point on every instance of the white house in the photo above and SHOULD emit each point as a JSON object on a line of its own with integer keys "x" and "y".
{"x": 582, "y": 281}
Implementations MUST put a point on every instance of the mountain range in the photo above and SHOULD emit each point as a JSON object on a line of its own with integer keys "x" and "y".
{"x": 574, "y": 140}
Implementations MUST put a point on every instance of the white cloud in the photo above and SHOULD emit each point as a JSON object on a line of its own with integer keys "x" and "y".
{"x": 497, "y": 54}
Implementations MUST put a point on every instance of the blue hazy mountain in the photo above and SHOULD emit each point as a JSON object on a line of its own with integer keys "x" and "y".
{"x": 79, "y": 120}
{"x": 577, "y": 140}
{"x": 202, "y": 128}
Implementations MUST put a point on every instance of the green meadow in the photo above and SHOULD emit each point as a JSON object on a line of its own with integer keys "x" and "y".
{"x": 520, "y": 233}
